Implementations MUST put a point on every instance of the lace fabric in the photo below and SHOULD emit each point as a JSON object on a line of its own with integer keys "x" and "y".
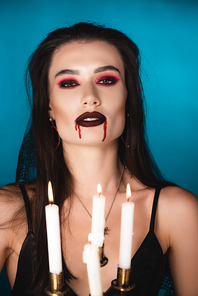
{"x": 26, "y": 168}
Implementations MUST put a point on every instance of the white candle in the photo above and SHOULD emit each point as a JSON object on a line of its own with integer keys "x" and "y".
{"x": 91, "y": 258}
{"x": 53, "y": 234}
{"x": 126, "y": 232}
{"x": 98, "y": 220}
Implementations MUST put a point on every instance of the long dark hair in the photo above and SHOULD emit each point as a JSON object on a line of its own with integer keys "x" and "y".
{"x": 133, "y": 150}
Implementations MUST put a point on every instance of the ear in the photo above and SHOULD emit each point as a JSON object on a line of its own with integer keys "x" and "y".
{"x": 50, "y": 111}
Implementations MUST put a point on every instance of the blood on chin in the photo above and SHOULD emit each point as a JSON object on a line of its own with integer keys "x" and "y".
{"x": 78, "y": 129}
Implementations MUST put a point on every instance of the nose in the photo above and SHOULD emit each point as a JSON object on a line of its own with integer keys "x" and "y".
{"x": 90, "y": 97}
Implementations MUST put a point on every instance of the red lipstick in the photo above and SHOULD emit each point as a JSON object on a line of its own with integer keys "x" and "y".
{"x": 89, "y": 119}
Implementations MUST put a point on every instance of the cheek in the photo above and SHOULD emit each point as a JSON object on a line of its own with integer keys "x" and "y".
{"x": 117, "y": 114}
{"x": 63, "y": 109}
{"x": 59, "y": 112}
{"x": 62, "y": 106}
{"x": 120, "y": 118}
{"x": 119, "y": 105}
{"x": 63, "y": 117}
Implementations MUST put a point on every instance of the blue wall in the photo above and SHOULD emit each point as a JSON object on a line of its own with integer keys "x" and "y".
{"x": 166, "y": 33}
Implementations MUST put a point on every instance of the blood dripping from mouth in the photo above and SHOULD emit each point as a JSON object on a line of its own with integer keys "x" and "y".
{"x": 77, "y": 127}
{"x": 105, "y": 130}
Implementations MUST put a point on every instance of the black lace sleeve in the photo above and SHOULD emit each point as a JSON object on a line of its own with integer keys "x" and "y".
{"x": 26, "y": 168}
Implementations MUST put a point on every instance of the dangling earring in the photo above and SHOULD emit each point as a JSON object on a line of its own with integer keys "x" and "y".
{"x": 124, "y": 133}
{"x": 126, "y": 145}
{"x": 52, "y": 124}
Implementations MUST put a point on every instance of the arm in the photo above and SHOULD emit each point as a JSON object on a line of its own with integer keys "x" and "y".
{"x": 183, "y": 241}
{"x": 5, "y": 233}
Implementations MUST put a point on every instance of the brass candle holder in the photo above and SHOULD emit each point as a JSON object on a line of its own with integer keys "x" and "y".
{"x": 103, "y": 259}
{"x": 56, "y": 285}
{"x": 122, "y": 283}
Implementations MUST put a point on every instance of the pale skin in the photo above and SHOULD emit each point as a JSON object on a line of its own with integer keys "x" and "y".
{"x": 92, "y": 161}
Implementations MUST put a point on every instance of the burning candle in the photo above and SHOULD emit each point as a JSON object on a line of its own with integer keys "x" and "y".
{"x": 91, "y": 258}
{"x": 98, "y": 220}
{"x": 53, "y": 234}
{"x": 126, "y": 231}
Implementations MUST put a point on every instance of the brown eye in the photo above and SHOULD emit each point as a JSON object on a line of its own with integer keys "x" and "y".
{"x": 68, "y": 83}
{"x": 107, "y": 80}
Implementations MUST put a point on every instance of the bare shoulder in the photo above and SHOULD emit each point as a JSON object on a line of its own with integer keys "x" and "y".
{"x": 179, "y": 207}
{"x": 13, "y": 224}
{"x": 179, "y": 211}
{"x": 10, "y": 204}
{"x": 178, "y": 199}
{"x": 179, "y": 214}
{"x": 11, "y": 201}
{"x": 13, "y": 217}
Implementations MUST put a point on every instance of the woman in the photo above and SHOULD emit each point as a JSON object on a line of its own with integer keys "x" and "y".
{"x": 86, "y": 86}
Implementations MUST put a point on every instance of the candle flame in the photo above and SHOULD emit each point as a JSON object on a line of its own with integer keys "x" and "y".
{"x": 99, "y": 189}
{"x": 89, "y": 237}
{"x": 50, "y": 193}
{"x": 128, "y": 192}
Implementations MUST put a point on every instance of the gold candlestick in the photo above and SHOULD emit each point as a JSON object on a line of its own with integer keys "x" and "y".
{"x": 56, "y": 285}
{"x": 103, "y": 259}
{"x": 122, "y": 283}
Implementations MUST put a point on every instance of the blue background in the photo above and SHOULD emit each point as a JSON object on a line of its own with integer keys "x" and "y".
{"x": 166, "y": 33}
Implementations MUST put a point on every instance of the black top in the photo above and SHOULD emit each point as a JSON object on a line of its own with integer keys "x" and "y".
{"x": 148, "y": 263}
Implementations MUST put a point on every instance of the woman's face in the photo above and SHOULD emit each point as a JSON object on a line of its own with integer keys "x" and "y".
{"x": 87, "y": 93}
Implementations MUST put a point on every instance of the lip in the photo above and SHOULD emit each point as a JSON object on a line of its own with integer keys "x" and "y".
{"x": 88, "y": 119}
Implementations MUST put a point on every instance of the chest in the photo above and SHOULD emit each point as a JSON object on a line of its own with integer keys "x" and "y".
{"x": 75, "y": 232}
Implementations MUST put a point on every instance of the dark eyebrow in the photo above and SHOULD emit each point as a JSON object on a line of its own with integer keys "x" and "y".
{"x": 68, "y": 71}
{"x": 105, "y": 68}
{"x": 76, "y": 72}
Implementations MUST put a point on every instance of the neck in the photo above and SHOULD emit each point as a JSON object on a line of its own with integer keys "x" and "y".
{"x": 92, "y": 165}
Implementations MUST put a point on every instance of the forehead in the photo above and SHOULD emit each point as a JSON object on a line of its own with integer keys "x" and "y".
{"x": 83, "y": 53}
